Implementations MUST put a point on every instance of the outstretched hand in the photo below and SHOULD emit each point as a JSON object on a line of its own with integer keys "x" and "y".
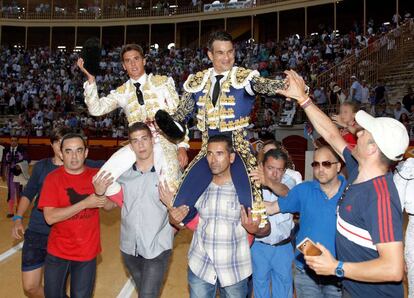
{"x": 296, "y": 89}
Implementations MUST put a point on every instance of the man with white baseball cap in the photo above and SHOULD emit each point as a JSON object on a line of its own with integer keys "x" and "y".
{"x": 369, "y": 220}
{"x": 389, "y": 134}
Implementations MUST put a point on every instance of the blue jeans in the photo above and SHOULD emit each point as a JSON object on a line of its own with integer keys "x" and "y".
{"x": 310, "y": 285}
{"x": 148, "y": 274}
{"x": 272, "y": 265}
{"x": 82, "y": 277}
{"x": 202, "y": 289}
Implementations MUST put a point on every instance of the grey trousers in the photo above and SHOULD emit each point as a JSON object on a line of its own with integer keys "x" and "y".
{"x": 148, "y": 274}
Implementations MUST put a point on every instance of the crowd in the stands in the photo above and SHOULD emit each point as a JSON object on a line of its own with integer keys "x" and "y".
{"x": 43, "y": 89}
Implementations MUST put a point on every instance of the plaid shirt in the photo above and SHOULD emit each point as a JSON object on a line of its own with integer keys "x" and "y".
{"x": 219, "y": 248}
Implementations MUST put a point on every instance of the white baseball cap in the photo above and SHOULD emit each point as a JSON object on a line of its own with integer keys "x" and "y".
{"x": 389, "y": 134}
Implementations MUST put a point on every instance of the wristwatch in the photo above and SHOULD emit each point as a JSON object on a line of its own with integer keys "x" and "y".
{"x": 339, "y": 272}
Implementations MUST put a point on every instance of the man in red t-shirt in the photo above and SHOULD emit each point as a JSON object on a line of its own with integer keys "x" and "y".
{"x": 70, "y": 203}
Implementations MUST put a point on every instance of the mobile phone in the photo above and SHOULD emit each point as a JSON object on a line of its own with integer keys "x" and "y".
{"x": 308, "y": 248}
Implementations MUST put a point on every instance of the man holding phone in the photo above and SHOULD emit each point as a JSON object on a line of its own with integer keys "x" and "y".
{"x": 369, "y": 226}
{"x": 316, "y": 202}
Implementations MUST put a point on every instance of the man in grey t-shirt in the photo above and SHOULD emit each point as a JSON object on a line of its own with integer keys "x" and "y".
{"x": 146, "y": 235}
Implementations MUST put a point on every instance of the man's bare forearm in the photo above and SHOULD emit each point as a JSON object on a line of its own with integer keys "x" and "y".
{"x": 386, "y": 268}
{"x": 272, "y": 208}
{"x": 326, "y": 128}
{"x": 23, "y": 205}
{"x": 54, "y": 214}
{"x": 279, "y": 189}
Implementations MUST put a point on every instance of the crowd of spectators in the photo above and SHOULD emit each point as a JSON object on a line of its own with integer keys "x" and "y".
{"x": 44, "y": 88}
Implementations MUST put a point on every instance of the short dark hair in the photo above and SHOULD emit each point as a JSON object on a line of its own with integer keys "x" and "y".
{"x": 329, "y": 148}
{"x": 138, "y": 126}
{"x": 218, "y": 35}
{"x": 278, "y": 145}
{"x": 58, "y": 133}
{"x": 131, "y": 47}
{"x": 222, "y": 138}
{"x": 276, "y": 154}
{"x": 72, "y": 135}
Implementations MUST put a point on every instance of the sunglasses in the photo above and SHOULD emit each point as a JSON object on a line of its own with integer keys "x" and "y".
{"x": 326, "y": 164}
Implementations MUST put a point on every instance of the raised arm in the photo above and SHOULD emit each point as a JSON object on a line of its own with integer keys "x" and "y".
{"x": 320, "y": 121}
{"x": 97, "y": 106}
{"x": 81, "y": 64}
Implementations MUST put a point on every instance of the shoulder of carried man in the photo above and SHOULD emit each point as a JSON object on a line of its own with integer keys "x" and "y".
{"x": 158, "y": 80}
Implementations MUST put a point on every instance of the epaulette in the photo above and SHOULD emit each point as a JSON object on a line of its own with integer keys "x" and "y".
{"x": 121, "y": 89}
{"x": 158, "y": 80}
{"x": 196, "y": 82}
{"x": 240, "y": 76}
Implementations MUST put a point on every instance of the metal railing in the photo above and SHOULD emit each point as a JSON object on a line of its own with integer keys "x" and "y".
{"x": 110, "y": 13}
{"x": 370, "y": 61}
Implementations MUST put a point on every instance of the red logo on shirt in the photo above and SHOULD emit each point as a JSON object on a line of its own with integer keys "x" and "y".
{"x": 348, "y": 208}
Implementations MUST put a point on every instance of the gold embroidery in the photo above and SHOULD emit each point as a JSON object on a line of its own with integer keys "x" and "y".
{"x": 233, "y": 125}
{"x": 158, "y": 80}
{"x": 185, "y": 107}
{"x": 227, "y": 100}
{"x": 242, "y": 146}
{"x": 121, "y": 89}
{"x": 173, "y": 167}
{"x": 241, "y": 77}
{"x": 226, "y": 113}
{"x": 267, "y": 86}
{"x": 242, "y": 74}
{"x": 197, "y": 81}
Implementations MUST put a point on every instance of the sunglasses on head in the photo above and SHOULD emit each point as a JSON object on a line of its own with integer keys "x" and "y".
{"x": 326, "y": 164}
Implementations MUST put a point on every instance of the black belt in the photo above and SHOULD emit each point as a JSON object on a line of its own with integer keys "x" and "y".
{"x": 283, "y": 242}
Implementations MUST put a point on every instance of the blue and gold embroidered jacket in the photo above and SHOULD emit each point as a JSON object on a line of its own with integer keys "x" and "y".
{"x": 234, "y": 105}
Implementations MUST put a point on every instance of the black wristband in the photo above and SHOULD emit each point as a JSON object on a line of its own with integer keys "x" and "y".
{"x": 99, "y": 195}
